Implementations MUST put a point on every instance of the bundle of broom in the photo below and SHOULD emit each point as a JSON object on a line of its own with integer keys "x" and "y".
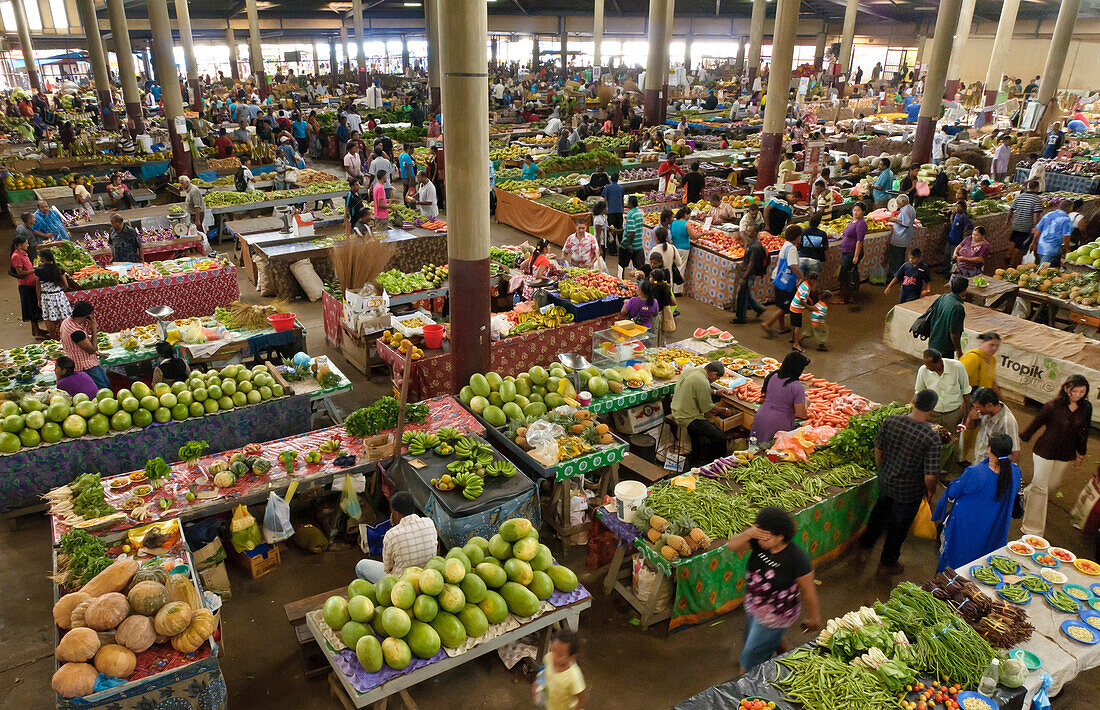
{"x": 358, "y": 261}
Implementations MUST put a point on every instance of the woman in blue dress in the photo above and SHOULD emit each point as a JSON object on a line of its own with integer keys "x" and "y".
{"x": 983, "y": 497}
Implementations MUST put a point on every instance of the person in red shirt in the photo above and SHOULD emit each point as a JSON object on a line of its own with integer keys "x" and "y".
{"x": 26, "y": 109}
{"x": 224, "y": 144}
{"x": 28, "y": 285}
{"x": 666, "y": 170}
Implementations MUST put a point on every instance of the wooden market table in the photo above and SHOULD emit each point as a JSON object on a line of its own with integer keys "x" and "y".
{"x": 377, "y": 694}
{"x": 537, "y": 219}
{"x": 195, "y": 293}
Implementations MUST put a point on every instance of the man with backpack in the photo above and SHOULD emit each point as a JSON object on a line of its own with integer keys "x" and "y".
{"x": 752, "y": 266}
{"x": 244, "y": 181}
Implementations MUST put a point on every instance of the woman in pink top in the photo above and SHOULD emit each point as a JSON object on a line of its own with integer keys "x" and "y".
{"x": 378, "y": 195}
{"x": 582, "y": 249}
{"x": 23, "y": 271}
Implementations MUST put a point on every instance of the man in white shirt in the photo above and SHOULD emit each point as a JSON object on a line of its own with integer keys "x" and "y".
{"x": 1038, "y": 172}
{"x": 426, "y": 199}
{"x": 947, "y": 378}
{"x": 990, "y": 415}
{"x": 553, "y": 126}
{"x": 379, "y": 162}
{"x": 498, "y": 92}
{"x": 354, "y": 120}
{"x": 411, "y": 542}
{"x": 246, "y": 173}
{"x": 939, "y": 145}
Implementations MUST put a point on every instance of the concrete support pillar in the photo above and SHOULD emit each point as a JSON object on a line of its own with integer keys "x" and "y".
{"x": 536, "y": 53}
{"x": 739, "y": 60}
{"x": 493, "y": 51}
{"x": 919, "y": 62}
{"x": 597, "y": 33}
{"x": 656, "y": 68}
{"x": 167, "y": 76}
{"x": 962, "y": 33}
{"x": 234, "y": 59}
{"x": 564, "y": 49}
{"x": 847, "y": 37}
{"x": 316, "y": 60}
{"x": 345, "y": 66}
{"x": 431, "y": 19}
{"x": 357, "y": 10}
{"x": 404, "y": 54}
{"x": 687, "y": 47}
{"x": 819, "y": 50}
{"x": 666, "y": 58}
{"x": 26, "y": 46}
{"x": 255, "y": 53}
{"x": 756, "y": 37}
{"x": 1056, "y": 55}
{"x": 466, "y": 103}
{"x": 126, "y": 73}
{"x": 183, "y": 24}
{"x": 779, "y": 84}
{"x": 333, "y": 64}
{"x": 98, "y": 59}
{"x": 947, "y": 18}
{"x": 1001, "y": 42}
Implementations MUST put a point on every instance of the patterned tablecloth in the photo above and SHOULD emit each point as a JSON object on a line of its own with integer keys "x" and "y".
{"x": 32, "y": 472}
{"x": 1064, "y": 182}
{"x": 433, "y": 375}
{"x": 628, "y": 397}
{"x": 193, "y": 294}
{"x": 443, "y": 411}
{"x": 167, "y": 250}
{"x": 713, "y": 583}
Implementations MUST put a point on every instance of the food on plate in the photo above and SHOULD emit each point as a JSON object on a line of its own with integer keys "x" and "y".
{"x": 1015, "y": 593}
{"x": 1080, "y": 633}
{"x": 1062, "y": 554}
{"x": 1053, "y": 576}
{"x": 985, "y": 574}
{"x": 143, "y": 490}
{"x": 1063, "y": 602}
{"x": 1036, "y": 584}
{"x": 1021, "y": 548}
{"x": 1037, "y": 542}
{"x": 1045, "y": 560}
{"x": 1087, "y": 566}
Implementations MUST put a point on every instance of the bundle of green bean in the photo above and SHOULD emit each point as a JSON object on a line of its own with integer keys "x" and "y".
{"x": 711, "y": 505}
{"x": 818, "y": 680}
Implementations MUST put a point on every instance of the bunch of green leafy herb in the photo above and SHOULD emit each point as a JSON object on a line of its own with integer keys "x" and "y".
{"x": 157, "y": 469}
{"x": 88, "y": 500}
{"x": 192, "y": 451}
{"x": 86, "y": 556}
{"x": 856, "y": 441}
{"x": 382, "y": 415}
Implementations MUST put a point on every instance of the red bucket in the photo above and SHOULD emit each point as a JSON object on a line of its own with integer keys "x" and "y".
{"x": 282, "y": 321}
{"x": 433, "y": 335}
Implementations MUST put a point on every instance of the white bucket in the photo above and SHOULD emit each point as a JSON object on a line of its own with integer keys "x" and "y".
{"x": 628, "y": 496}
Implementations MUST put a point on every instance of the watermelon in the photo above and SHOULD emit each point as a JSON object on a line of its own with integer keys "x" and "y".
{"x": 699, "y": 333}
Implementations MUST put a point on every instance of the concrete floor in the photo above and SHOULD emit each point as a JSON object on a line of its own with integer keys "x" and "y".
{"x": 261, "y": 665}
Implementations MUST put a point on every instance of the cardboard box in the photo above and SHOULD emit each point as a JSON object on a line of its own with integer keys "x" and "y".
{"x": 260, "y": 560}
{"x": 638, "y": 418}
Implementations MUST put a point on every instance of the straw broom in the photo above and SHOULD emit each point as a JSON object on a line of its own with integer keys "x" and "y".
{"x": 358, "y": 261}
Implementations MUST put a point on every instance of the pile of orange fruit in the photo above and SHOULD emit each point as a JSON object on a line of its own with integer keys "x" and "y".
{"x": 401, "y": 344}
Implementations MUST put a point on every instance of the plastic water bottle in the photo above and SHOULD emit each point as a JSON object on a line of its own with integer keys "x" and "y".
{"x": 990, "y": 677}
{"x": 753, "y": 442}
{"x": 540, "y": 688}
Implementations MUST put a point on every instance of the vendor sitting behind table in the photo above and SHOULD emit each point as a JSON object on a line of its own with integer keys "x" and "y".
{"x": 537, "y": 264}
{"x": 172, "y": 367}
{"x": 411, "y": 542}
{"x": 72, "y": 381}
{"x": 691, "y": 402}
{"x": 720, "y": 211}
{"x": 224, "y": 144}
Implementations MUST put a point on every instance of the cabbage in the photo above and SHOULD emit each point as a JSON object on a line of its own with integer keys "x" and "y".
{"x": 1013, "y": 673}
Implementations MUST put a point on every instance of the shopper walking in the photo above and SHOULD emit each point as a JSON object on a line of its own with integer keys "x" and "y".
{"x": 785, "y": 277}
{"x": 902, "y": 227}
{"x": 948, "y": 379}
{"x": 1065, "y": 423}
{"x": 632, "y": 244}
{"x": 752, "y": 266}
{"x": 52, "y": 282}
{"x": 948, "y": 316}
{"x": 563, "y": 686}
{"x": 990, "y": 416}
{"x": 779, "y": 581}
{"x": 23, "y": 271}
{"x": 907, "y": 451}
{"x": 851, "y": 252}
{"x": 976, "y": 508}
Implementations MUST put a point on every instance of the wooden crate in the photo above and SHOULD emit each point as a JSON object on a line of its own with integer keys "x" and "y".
{"x": 726, "y": 423}
{"x": 260, "y": 560}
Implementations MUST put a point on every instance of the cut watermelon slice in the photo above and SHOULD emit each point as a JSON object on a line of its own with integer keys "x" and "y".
{"x": 712, "y": 331}
{"x": 725, "y": 336}
{"x": 700, "y": 333}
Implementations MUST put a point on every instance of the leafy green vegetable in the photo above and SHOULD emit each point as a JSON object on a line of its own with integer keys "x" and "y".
{"x": 88, "y": 500}
{"x": 857, "y": 440}
{"x": 192, "y": 451}
{"x": 157, "y": 469}
{"x": 86, "y": 556}
{"x": 382, "y": 415}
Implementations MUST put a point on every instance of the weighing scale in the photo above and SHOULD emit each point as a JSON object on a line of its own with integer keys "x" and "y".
{"x": 162, "y": 314}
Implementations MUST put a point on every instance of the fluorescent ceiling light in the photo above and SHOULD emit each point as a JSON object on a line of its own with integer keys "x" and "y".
{"x": 412, "y": 4}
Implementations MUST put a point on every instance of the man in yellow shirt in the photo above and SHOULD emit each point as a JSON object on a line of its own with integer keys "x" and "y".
{"x": 691, "y": 402}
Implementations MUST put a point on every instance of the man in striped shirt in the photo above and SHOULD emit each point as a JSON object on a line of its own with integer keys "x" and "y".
{"x": 1023, "y": 214}
{"x": 632, "y": 245}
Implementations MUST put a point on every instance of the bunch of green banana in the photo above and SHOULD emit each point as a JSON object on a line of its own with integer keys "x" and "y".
{"x": 469, "y": 448}
{"x": 500, "y": 468}
{"x": 329, "y": 446}
{"x": 472, "y": 485}
{"x": 448, "y": 433}
{"x": 419, "y": 442}
{"x": 461, "y": 466}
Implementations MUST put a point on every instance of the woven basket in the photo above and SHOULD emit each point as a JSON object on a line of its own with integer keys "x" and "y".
{"x": 380, "y": 447}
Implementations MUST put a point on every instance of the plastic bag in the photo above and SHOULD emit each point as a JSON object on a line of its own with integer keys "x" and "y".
{"x": 192, "y": 335}
{"x": 1041, "y": 701}
{"x": 1029, "y": 258}
{"x": 349, "y": 499}
{"x": 277, "y": 526}
{"x": 244, "y": 531}
{"x": 1085, "y": 515}
{"x": 922, "y": 524}
{"x": 877, "y": 275}
{"x": 542, "y": 436}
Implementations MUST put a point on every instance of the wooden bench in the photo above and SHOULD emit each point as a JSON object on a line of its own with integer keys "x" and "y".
{"x": 643, "y": 469}
{"x": 313, "y": 659}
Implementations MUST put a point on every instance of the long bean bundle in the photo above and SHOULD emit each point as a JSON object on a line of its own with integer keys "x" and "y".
{"x": 818, "y": 680}
{"x": 710, "y": 505}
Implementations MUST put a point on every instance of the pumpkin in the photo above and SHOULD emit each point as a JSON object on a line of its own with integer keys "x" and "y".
{"x": 172, "y": 618}
{"x": 77, "y": 619}
{"x": 180, "y": 589}
{"x": 200, "y": 629}
{"x": 63, "y": 609}
{"x": 136, "y": 633}
{"x": 224, "y": 479}
{"x": 107, "y": 612}
{"x": 113, "y": 579}
{"x": 115, "y": 661}
{"x": 151, "y": 573}
{"x": 146, "y": 598}
{"x": 77, "y": 645}
{"x": 74, "y": 680}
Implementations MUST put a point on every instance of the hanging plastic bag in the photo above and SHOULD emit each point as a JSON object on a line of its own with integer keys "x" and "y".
{"x": 1041, "y": 701}
{"x": 922, "y": 524}
{"x": 277, "y": 526}
{"x": 349, "y": 499}
{"x": 542, "y": 437}
{"x": 244, "y": 531}
{"x": 1029, "y": 258}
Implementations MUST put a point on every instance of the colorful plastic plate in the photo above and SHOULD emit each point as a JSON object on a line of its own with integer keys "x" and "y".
{"x": 1070, "y": 623}
{"x": 989, "y": 560}
{"x": 1081, "y": 594}
{"x": 1062, "y": 611}
{"x": 977, "y": 696}
{"x": 1002, "y": 585}
{"x": 1021, "y": 548}
{"x": 1029, "y": 659}
{"x": 1045, "y": 559}
{"x": 1053, "y": 576}
{"x": 1086, "y": 567}
{"x": 1095, "y": 589}
{"x": 1062, "y": 554}
{"x": 1000, "y": 578}
{"x": 1094, "y": 615}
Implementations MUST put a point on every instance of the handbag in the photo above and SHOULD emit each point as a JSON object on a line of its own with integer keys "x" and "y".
{"x": 668, "y": 321}
{"x": 922, "y": 326}
{"x": 1018, "y": 505}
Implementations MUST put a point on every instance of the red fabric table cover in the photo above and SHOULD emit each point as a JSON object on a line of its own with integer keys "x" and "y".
{"x": 193, "y": 294}
{"x": 433, "y": 376}
{"x": 157, "y": 250}
{"x": 332, "y": 313}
